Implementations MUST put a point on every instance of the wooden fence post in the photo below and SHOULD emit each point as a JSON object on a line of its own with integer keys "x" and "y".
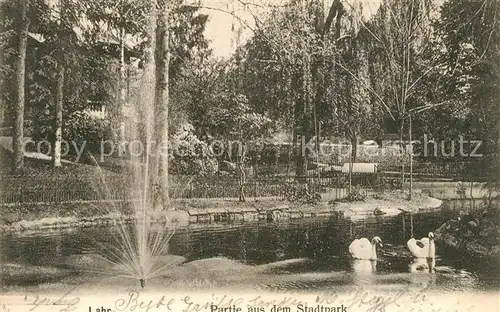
{"x": 256, "y": 192}
{"x": 404, "y": 230}
{"x": 411, "y": 225}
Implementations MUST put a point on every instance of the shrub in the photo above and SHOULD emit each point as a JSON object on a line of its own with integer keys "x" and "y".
{"x": 78, "y": 128}
{"x": 492, "y": 192}
{"x": 357, "y": 193}
{"x": 392, "y": 183}
{"x": 189, "y": 155}
{"x": 295, "y": 192}
{"x": 460, "y": 190}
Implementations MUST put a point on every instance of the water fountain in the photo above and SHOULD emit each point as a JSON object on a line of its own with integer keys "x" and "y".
{"x": 136, "y": 254}
{"x": 137, "y": 248}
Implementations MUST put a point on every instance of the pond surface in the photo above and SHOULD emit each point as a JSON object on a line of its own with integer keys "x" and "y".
{"x": 321, "y": 244}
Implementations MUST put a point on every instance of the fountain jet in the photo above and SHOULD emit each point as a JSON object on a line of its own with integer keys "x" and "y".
{"x": 138, "y": 251}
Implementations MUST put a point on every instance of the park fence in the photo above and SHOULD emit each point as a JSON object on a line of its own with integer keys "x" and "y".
{"x": 114, "y": 187}
{"x": 18, "y": 190}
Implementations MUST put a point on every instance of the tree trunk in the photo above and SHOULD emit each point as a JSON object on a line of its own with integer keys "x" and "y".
{"x": 349, "y": 189}
{"x": 403, "y": 156}
{"x": 317, "y": 142}
{"x": 242, "y": 180}
{"x": 162, "y": 103}
{"x": 318, "y": 97}
{"x": 352, "y": 159}
{"x": 410, "y": 152}
{"x": 306, "y": 115}
{"x": 18, "y": 136}
{"x": 302, "y": 107}
{"x": 299, "y": 131}
{"x": 123, "y": 89}
{"x": 290, "y": 150}
{"x": 58, "y": 114}
{"x": 241, "y": 166}
{"x": 56, "y": 154}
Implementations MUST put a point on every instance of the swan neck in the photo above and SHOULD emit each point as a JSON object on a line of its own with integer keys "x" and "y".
{"x": 432, "y": 249}
{"x": 431, "y": 259}
{"x": 374, "y": 251}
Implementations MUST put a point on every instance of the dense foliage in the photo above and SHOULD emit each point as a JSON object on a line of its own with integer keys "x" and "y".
{"x": 307, "y": 71}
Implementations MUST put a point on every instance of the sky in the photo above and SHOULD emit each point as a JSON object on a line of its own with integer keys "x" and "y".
{"x": 219, "y": 25}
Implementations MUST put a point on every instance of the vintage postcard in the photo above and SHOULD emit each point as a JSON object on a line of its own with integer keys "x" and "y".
{"x": 249, "y": 155}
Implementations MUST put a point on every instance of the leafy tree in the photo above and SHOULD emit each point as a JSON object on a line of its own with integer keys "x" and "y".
{"x": 125, "y": 19}
{"x": 470, "y": 48}
{"x": 233, "y": 118}
{"x": 400, "y": 34}
{"x": 289, "y": 58}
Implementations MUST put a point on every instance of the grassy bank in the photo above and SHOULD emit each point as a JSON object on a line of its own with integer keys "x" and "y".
{"x": 13, "y": 214}
{"x": 25, "y": 217}
{"x": 38, "y": 217}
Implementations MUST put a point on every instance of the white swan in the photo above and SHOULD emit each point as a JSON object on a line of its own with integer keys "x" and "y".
{"x": 364, "y": 266}
{"x": 421, "y": 248}
{"x": 362, "y": 249}
{"x": 425, "y": 253}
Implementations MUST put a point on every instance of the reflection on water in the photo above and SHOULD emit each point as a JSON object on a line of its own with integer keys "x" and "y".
{"x": 322, "y": 242}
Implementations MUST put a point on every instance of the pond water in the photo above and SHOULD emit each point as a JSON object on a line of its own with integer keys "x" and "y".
{"x": 321, "y": 244}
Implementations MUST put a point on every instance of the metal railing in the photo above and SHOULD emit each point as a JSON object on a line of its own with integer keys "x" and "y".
{"x": 40, "y": 189}
{"x": 43, "y": 188}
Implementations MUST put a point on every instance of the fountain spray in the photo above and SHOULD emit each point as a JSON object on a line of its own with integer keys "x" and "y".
{"x": 142, "y": 279}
